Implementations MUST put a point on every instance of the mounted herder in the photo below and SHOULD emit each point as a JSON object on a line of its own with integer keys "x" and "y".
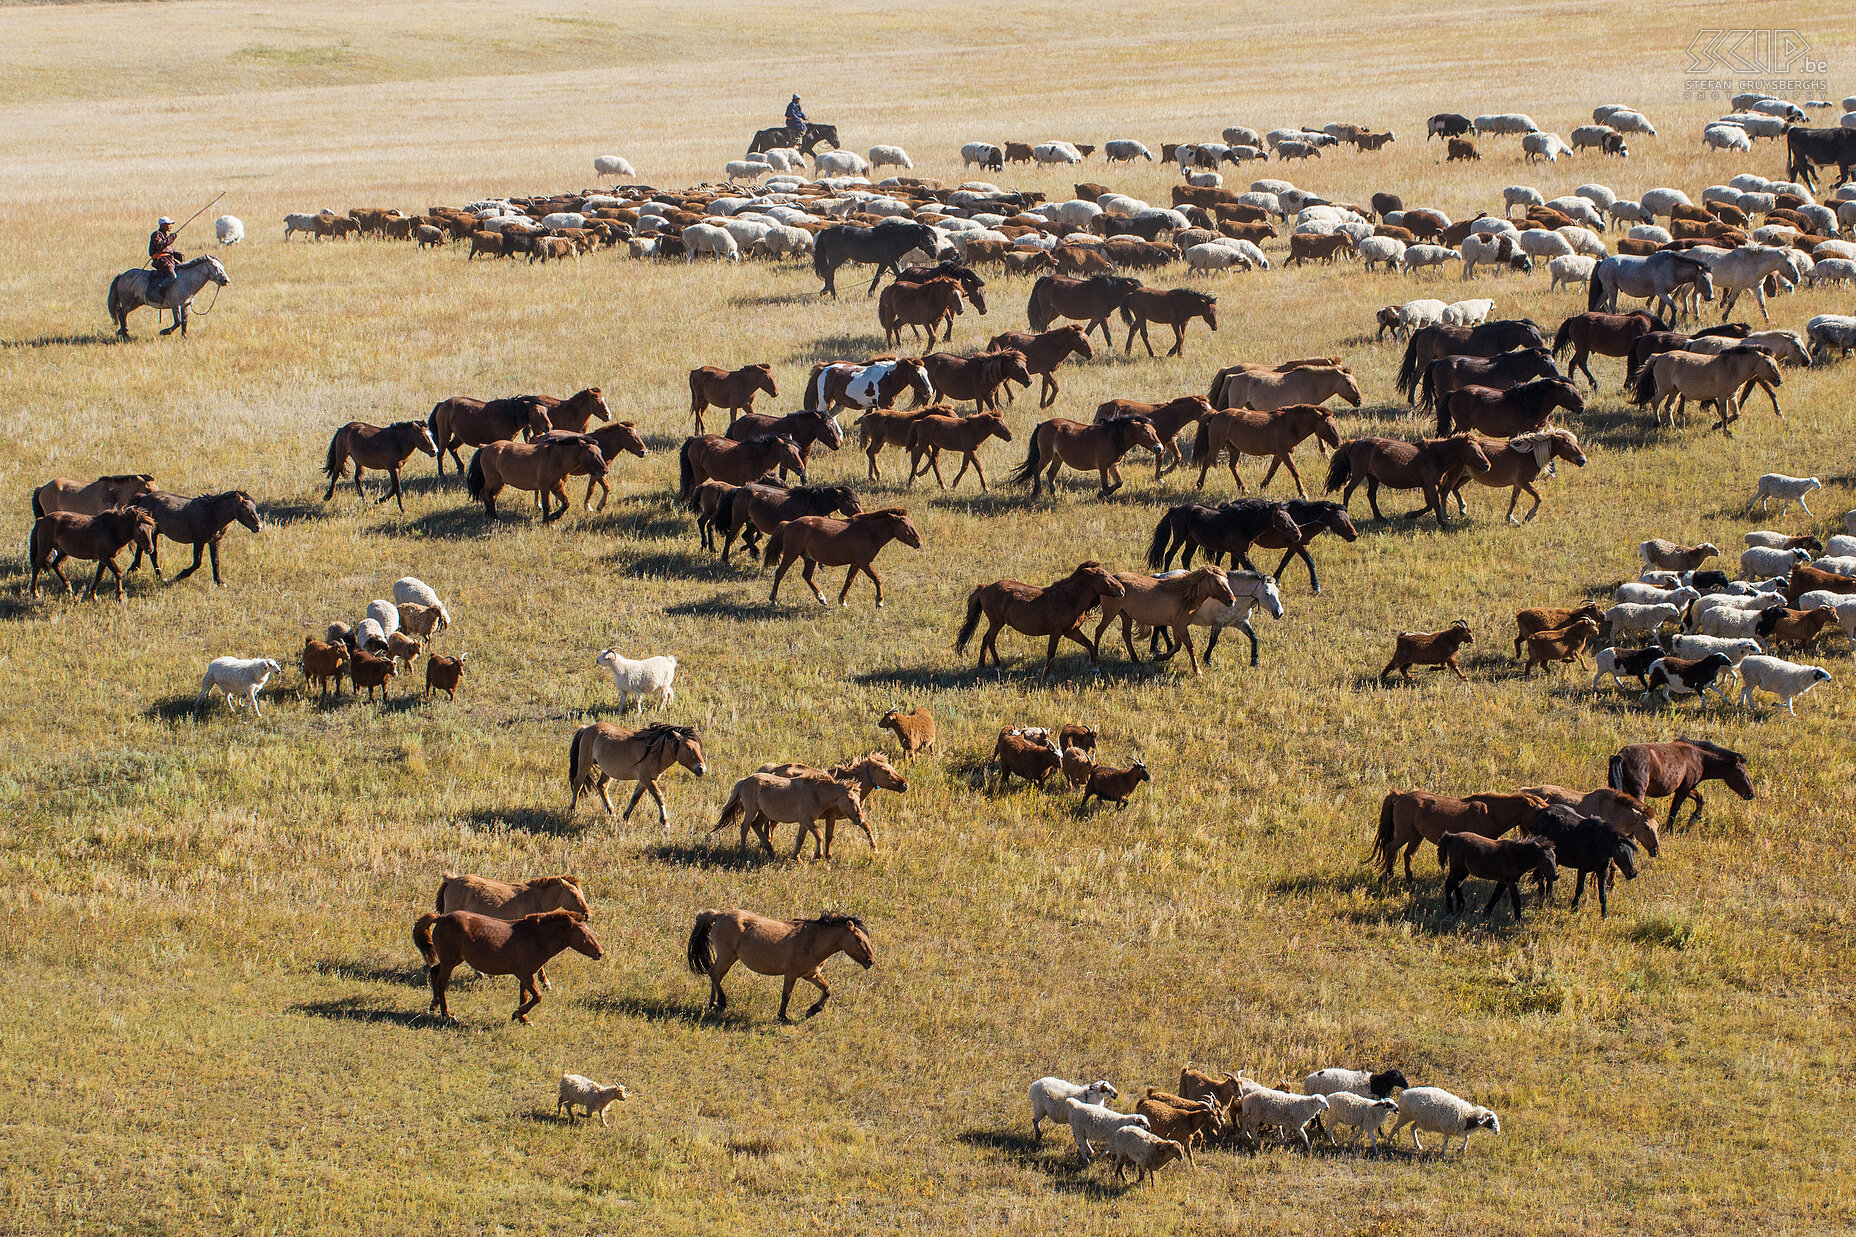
{"x": 171, "y": 285}
{"x": 797, "y": 132}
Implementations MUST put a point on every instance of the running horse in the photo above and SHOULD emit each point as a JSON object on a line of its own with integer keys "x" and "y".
{"x": 794, "y": 948}
{"x": 937, "y": 432}
{"x": 822, "y": 541}
{"x": 1057, "y": 442}
{"x": 1517, "y": 463}
{"x": 883, "y": 246}
{"x": 1043, "y": 353}
{"x": 1652, "y": 770}
{"x": 1230, "y": 528}
{"x": 1089, "y": 301}
{"x": 977, "y": 377}
{"x": 1056, "y": 611}
{"x": 129, "y": 292}
{"x": 1601, "y": 334}
{"x": 1242, "y": 431}
{"x": 1312, "y": 518}
{"x": 385, "y": 448}
{"x": 1403, "y": 466}
{"x": 876, "y": 384}
{"x": 1285, "y": 386}
{"x": 619, "y": 438}
{"x": 1490, "y": 339}
{"x": 748, "y": 511}
{"x": 916, "y": 305}
{"x": 804, "y": 428}
{"x": 1655, "y": 277}
{"x": 1164, "y": 603}
{"x": 464, "y": 422}
{"x": 199, "y": 522}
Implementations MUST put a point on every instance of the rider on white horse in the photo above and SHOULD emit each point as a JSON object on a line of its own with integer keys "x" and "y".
{"x": 164, "y": 256}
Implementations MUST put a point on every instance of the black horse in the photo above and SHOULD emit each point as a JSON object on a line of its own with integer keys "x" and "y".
{"x": 781, "y": 136}
{"x": 1312, "y": 518}
{"x": 882, "y": 246}
{"x": 1227, "y": 528}
{"x": 971, "y": 285}
{"x": 1587, "y": 845}
{"x": 200, "y": 522}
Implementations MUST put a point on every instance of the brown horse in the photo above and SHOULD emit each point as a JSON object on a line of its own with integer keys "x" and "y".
{"x": 1652, "y": 770}
{"x": 778, "y": 795}
{"x": 1057, "y": 442}
{"x": 916, "y": 305}
{"x": 1056, "y": 611}
{"x": 1504, "y": 862}
{"x": 576, "y": 411}
{"x": 496, "y": 899}
{"x": 804, "y": 428}
{"x": 1625, "y": 813}
{"x": 90, "y": 498}
{"x": 1089, "y": 301}
{"x": 602, "y": 753}
{"x": 978, "y": 377}
{"x": 1169, "y": 603}
{"x": 865, "y": 776}
{"x": 1268, "y": 390}
{"x": 1043, "y": 353}
{"x": 99, "y": 538}
{"x": 464, "y": 422}
{"x": 930, "y": 435}
{"x": 518, "y": 947}
{"x": 540, "y": 466}
{"x": 1409, "y": 818}
{"x": 619, "y": 438}
{"x": 1170, "y": 420}
{"x": 1453, "y": 373}
{"x": 795, "y": 948}
{"x": 1240, "y": 432}
{"x": 751, "y": 510}
{"x": 883, "y": 427}
{"x": 822, "y": 541}
{"x": 714, "y": 458}
{"x": 1517, "y": 463}
{"x": 1403, "y": 466}
{"x": 731, "y": 389}
{"x": 1173, "y": 307}
{"x": 1507, "y": 412}
{"x": 199, "y": 522}
{"x": 1602, "y": 334}
{"x": 382, "y": 447}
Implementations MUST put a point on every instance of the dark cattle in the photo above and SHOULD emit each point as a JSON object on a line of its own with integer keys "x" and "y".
{"x": 1809, "y": 149}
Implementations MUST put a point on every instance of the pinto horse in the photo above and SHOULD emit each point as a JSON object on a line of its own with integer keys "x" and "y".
{"x": 1056, "y": 611}
{"x": 1170, "y": 307}
{"x": 1170, "y": 420}
{"x": 1517, "y": 463}
{"x": 883, "y": 246}
{"x": 464, "y": 422}
{"x": 822, "y": 541}
{"x": 1240, "y": 432}
{"x": 977, "y": 377}
{"x": 520, "y": 947}
{"x": 619, "y": 438}
{"x": 878, "y": 384}
{"x": 1164, "y": 603}
{"x": 1089, "y": 301}
{"x": 1517, "y": 410}
{"x": 1490, "y": 339}
{"x": 1653, "y": 770}
{"x": 199, "y": 522}
{"x": 1231, "y": 528}
{"x": 1403, "y": 466}
{"x": 748, "y": 511}
{"x": 540, "y": 466}
{"x": 794, "y": 948}
{"x": 382, "y": 447}
{"x": 1043, "y": 353}
{"x": 603, "y": 753}
{"x": 930, "y": 435}
{"x": 804, "y": 428}
{"x": 916, "y": 305}
{"x": 92, "y": 497}
{"x": 100, "y": 538}
{"x": 714, "y": 458}
{"x": 1600, "y": 334}
{"x": 1057, "y": 442}
{"x": 1453, "y": 373}
{"x": 731, "y": 389}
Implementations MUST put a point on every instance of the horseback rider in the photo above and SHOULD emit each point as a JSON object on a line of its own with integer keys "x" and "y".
{"x": 164, "y": 256}
{"x": 796, "y": 122}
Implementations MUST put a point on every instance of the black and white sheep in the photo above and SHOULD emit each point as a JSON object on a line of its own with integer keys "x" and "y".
{"x": 1785, "y": 679}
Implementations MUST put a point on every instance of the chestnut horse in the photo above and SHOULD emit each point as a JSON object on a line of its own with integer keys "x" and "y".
{"x": 1056, "y": 611}
{"x": 1043, "y": 353}
{"x": 1403, "y": 466}
{"x": 619, "y": 438}
{"x": 748, "y": 511}
{"x": 576, "y": 411}
{"x": 804, "y": 428}
{"x": 90, "y": 498}
{"x": 1089, "y": 301}
{"x": 734, "y": 390}
{"x": 1171, "y": 307}
{"x": 1652, "y": 770}
{"x": 464, "y": 422}
{"x": 1168, "y": 603}
{"x": 602, "y": 753}
{"x": 1602, "y": 334}
{"x": 714, "y": 458}
{"x": 1170, "y": 420}
{"x": 382, "y": 447}
{"x": 1409, "y": 818}
{"x": 1240, "y": 432}
{"x": 795, "y": 948}
{"x": 199, "y": 522}
{"x": 916, "y": 305}
{"x": 519, "y": 947}
{"x": 822, "y": 541}
{"x": 978, "y": 377}
{"x": 883, "y": 427}
{"x": 100, "y": 538}
{"x": 1057, "y": 442}
{"x": 1517, "y": 463}
{"x": 937, "y": 432}
{"x": 1504, "y": 413}
{"x": 540, "y": 466}
{"x": 970, "y": 283}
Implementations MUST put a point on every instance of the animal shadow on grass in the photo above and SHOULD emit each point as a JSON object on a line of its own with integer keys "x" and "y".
{"x": 705, "y": 854}
{"x": 683, "y": 565}
{"x": 669, "y": 1009}
{"x": 1621, "y": 428}
{"x": 1055, "y": 1158}
{"x": 996, "y": 501}
{"x": 408, "y": 975}
{"x": 771, "y": 299}
{"x": 13, "y": 609}
{"x": 179, "y": 708}
{"x": 727, "y": 606}
{"x": 555, "y": 822}
{"x": 453, "y": 522}
{"x": 1324, "y": 883}
{"x": 357, "y": 1009}
{"x": 61, "y": 341}
{"x": 637, "y": 521}
{"x": 672, "y": 442}
{"x": 851, "y": 346}
{"x": 292, "y": 512}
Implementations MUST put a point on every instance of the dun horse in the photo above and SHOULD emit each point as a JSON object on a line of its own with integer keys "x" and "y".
{"x": 199, "y": 522}
{"x": 1272, "y": 389}
{"x": 1056, "y": 611}
{"x": 539, "y": 466}
{"x": 90, "y": 497}
{"x": 794, "y": 948}
{"x": 731, "y": 389}
{"x": 602, "y": 753}
{"x": 1057, "y": 442}
{"x": 385, "y": 448}
{"x": 1168, "y": 603}
{"x": 821, "y": 541}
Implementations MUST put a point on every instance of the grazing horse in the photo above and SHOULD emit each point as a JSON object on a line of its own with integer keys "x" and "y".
{"x": 129, "y": 291}
{"x": 977, "y": 377}
{"x": 1043, "y": 353}
{"x": 1057, "y": 442}
{"x": 519, "y": 947}
{"x": 1089, "y": 301}
{"x": 619, "y": 438}
{"x": 804, "y": 428}
{"x": 1505, "y": 413}
{"x": 464, "y": 422}
{"x": 1272, "y": 390}
{"x": 822, "y": 541}
{"x": 1231, "y": 528}
{"x": 731, "y": 389}
{"x": 878, "y": 384}
{"x": 1602, "y": 334}
{"x": 883, "y": 246}
{"x": 1174, "y": 307}
{"x": 602, "y": 753}
{"x": 1170, "y": 603}
{"x": 1240, "y": 432}
{"x": 540, "y": 466}
{"x": 795, "y": 948}
{"x": 1500, "y": 860}
{"x": 937, "y": 432}
{"x": 916, "y": 305}
{"x": 575, "y": 412}
{"x": 1409, "y": 818}
{"x": 1517, "y": 463}
{"x": 881, "y": 428}
{"x": 714, "y": 458}
{"x": 751, "y": 510}
{"x": 100, "y": 538}
{"x": 1655, "y": 277}
{"x": 1652, "y": 770}
{"x": 381, "y": 447}
{"x": 1453, "y": 373}
{"x": 1170, "y": 420}
{"x": 1490, "y": 339}
{"x": 90, "y": 498}
{"x": 1056, "y": 611}
{"x": 1311, "y": 518}
{"x": 1403, "y": 466}
{"x": 199, "y": 522}
{"x": 1669, "y": 381}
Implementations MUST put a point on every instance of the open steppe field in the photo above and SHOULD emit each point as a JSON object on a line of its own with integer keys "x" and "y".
{"x": 217, "y": 1020}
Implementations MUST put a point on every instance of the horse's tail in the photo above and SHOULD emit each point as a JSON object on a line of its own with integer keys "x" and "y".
{"x": 113, "y": 302}
{"x": 820, "y": 266}
{"x": 1614, "y": 776}
{"x": 1383, "y": 840}
{"x": 422, "y": 937}
{"x": 772, "y": 550}
{"x": 700, "y": 955}
{"x": 971, "y": 624}
{"x": 696, "y": 400}
{"x": 815, "y": 389}
{"x": 1340, "y": 470}
{"x": 1427, "y": 389}
{"x": 1562, "y": 340}
{"x": 886, "y": 314}
{"x": 686, "y": 473}
{"x": 1160, "y": 549}
{"x": 1028, "y": 471}
{"x": 1643, "y": 386}
{"x": 1442, "y": 407}
{"x": 1201, "y": 440}
{"x": 573, "y": 763}
{"x": 336, "y": 465}
{"x": 1035, "y": 311}
{"x": 38, "y": 506}
{"x": 1408, "y": 367}
{"x": 1594, "y": 290}
{"x": 474, "y": 480}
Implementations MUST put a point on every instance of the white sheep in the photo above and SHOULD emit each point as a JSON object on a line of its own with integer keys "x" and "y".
{"x": 1785, "y": 679}
{"x": 1238, "y": 135}
{"x": 1570, "y": 271}
{"x": 1354, "y": 1082}
{"x": 613, "y": 165}
{"x": 1600, "y": 196}
{"x": 1213, "y": 256}
{"x": 1540, "y": 243}
{"x": 384, "y": 613}
{"x": 1584, "y": 242}
{"x": 1826, "y": 271}
{"x": 1730, "y": 622}
{"x": 986, "y": 154}
{"x": 1630, "y": 618}
{"x": 708, "y": 238}
{"x": 1469, "y": 313}
{"x": 1436, "y": 1111}
{"x": 1836, "y": 565}
{"x": 1493, "y": 224}
{"x": 1056, "y": 152}
{"x": 1507, "y": 123}
{"x": 1359, "y": 1113}
{"x": 1758, "y": 599}
{"x": 1142, "y": 1148}
{"x": 369, "y": 632}
{"x": 1642, "y": 594}
{"x": 1840, "y": 544}
{"x": 1287, "y": 1111}
{"x": 1629, "y": 120}
{"x": 1523, "y": 196}
{"x": 237, "y": 676}
{"x": 1375, "y": 251}
{"x": 1831, "y": 333}
{"x": 890, "y": 156}
{"x": 1122, "y": 150}
{"x": 1413, "y": 315}
{"x": 1790, "y": 489}
{"x": 1760, "y": 561}
{"x": 1605, "y": 662}
{"x": 1735, "y": 650}
{"x": 564, "y": 219}
{"x": 749, "y": 168}
{"x": 649, "y": 677}
{"x": 783, "y": 242}
{"x": 1548, "y": 146}
{"x": 1625, "y": 211}
{"x": 1205, "y": 180}
{"x": 577, "y": 1089}
{"x": 1426, "y": 255}
{"x": 1050, "y": 1098}
{"x": 1662, "y": 201}
{"x": 1092, "y": 1124}
{"x": 839, "y": 163}
{"x": 230, "y": 229}
{"x": 416, "y": 591}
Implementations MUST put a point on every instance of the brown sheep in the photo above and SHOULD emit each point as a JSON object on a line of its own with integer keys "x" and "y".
{"x": 323, "y": 662}
{"x": 1562, "y": 644}
{"x": 1082, "y": 260}
{"x": 1020, "y": 755}
{"x": 1526, "y": 622}
{"x": 1240, "y": 212}
{"x": 1257, "y": 231}
{"x": 1178, "y": 1119}
{"x": 1089, "y": 191}
{"x": 1018, "y": 152}
{"x": 371, "y": 670}
{"x": 1115, "y": 785}
{"x": 486, "y": 242}
{"x": 1373, "y": 141}
{"x": 1429, "y": 648}
{"x": 1461, "y": 148}
{"x": 545, "y": 247}
{"x": 1028, "y": 262}
{"x": 914, "y": 730}
{"x": 1396, "y": 233}
{"x": 399, "y": 229}
{"x": 1303, "y": 246}
{"x": 1137, "y": 254}
{"x": 442, "y": 674}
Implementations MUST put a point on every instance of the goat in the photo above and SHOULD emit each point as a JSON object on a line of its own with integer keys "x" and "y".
{"x": 1429, "y": 648}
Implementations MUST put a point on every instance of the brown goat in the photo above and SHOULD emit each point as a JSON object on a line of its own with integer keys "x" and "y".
{"x": 1228, "y": 1090}
{"x": 1115, "y": 785}
{"x": 1178, "y": 1119}
{"x": 1072, "y": 735}
{"x": 323, "y": 662}
{"x": 1461, "y": 148}
{"x": 403, "y": 649}
{"x": 1033, "y": 759}
{"x": 1079, "y": 765}
{"x": 914, "y": 730}
{"x": 442, "y": 674}
{"x": 1532, "y": 622}
{"x": 1562, "y": 644}
{"x": 1800, "y": 628}
{"x": 370, "y": 670}
{"x": 1429, "y": 648}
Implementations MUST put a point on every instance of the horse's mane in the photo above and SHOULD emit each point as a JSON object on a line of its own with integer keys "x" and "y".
{"x": 901, "y": 513}
{"x": 659, "y": 734}
{"x": 831, "y": 920}
{"x": 203, "y": 258}
{"x": 1715, "y": 748}
{"x": 1527, "y": 442}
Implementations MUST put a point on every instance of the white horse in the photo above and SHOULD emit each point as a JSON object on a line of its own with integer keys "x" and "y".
{"x": 1745, "y": 270}
{"x": 129, "y": 292}
{"x": 1654, "y": 277}
{"x": 1249, "y": 587}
